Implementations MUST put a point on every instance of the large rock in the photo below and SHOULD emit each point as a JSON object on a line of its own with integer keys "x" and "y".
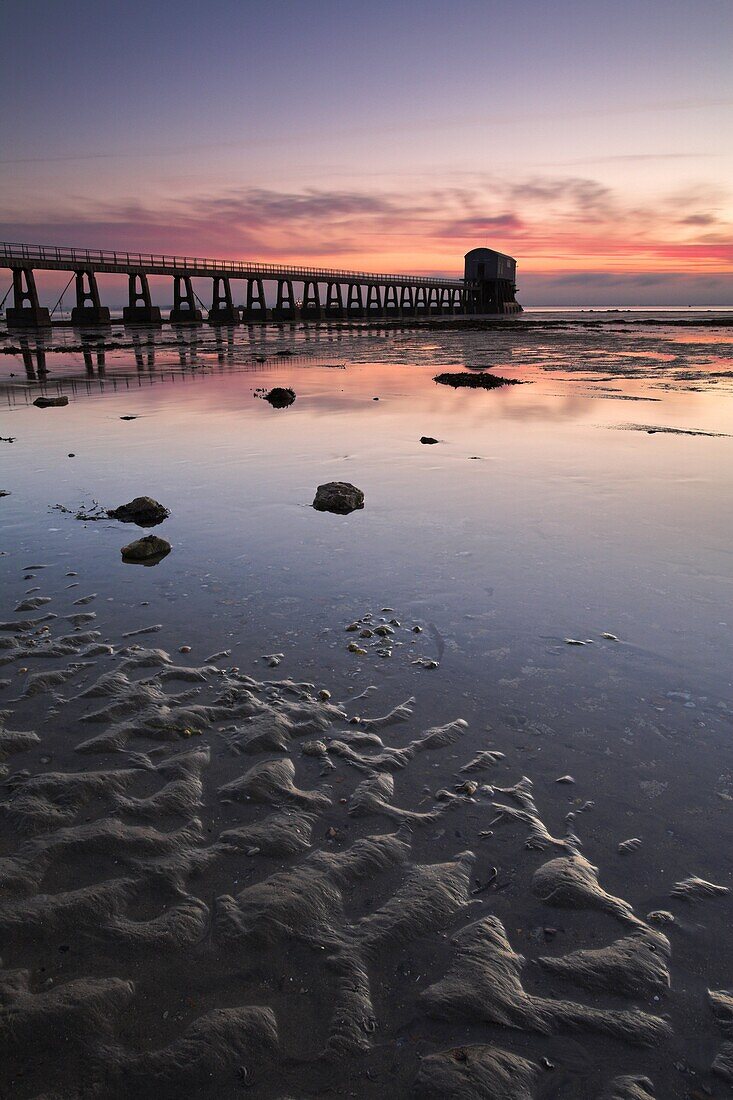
{"x": 144, "y": 511}
{"x": 150, "y": 548}
{"x": 51, "y": 402}
{"x": 339, "y": 497}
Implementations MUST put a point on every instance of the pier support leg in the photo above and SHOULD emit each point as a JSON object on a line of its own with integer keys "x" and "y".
{"x": 354, "y": 301}
{"x": 223, "y": 310}
{"x": 141, "y": 310}
{"x": 407, "y": 301}
{"x": 311, "y": 301}
{"x": 421, "y": 300}
{"x": 185, "y": 311}
{"x": 88, "y": 310}
{"x": 334, "y": 300}
{"x": 26, "y": 311}
{"x": 285, "y": 303}
{"x": 433, "y": 300}
{"x": 374, "y": 301}
{"x": 391, "y": 302}
{"x": 256, "y": 305}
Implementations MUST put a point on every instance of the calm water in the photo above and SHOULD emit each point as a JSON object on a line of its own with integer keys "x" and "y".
{"x": 560, "y": 509}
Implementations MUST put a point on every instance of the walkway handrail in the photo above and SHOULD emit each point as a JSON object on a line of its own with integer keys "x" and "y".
{"x": 14, "y": 253}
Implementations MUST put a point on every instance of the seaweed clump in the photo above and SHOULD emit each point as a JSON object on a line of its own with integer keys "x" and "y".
{"x": 478, "y": 381}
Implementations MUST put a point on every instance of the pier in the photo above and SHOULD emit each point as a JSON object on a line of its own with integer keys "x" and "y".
{"x": 487, "y": 287}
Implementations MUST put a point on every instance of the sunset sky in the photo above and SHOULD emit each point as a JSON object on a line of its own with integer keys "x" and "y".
{"x": 592, "y": 140}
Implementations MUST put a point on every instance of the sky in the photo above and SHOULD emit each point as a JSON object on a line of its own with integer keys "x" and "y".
{"x": 593, "y": 140}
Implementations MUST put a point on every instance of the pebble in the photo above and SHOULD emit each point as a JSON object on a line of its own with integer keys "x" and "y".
{"x": 184, "y": 649}
{"x": 354, "y": 648}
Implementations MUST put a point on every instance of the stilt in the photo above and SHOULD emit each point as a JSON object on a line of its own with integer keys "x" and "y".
{"x": 421, "y": 300}
{"x": 391, "y": 303}
{"x": 88, "y": 310}
{"x": 374, "y": 301}
{"x": 141, "y": 310}
{"x": 256, "y": 305}
{"x": 334, "y": 300}
{"x": 407, "y": 300}
{"x": 26, "y": 311}
{"x": 355, "y": 301}
{"x": 185, "y": 310}
{"x": 223, "y": 310}
{"x": 311, "y": 307}
{"x": 285, "y": 309}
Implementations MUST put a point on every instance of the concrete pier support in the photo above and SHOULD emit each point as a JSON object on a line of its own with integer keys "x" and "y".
{"x": 185, "y": 311}
{"x": 444, "y": 300}
{"x": 26, "y": 311}
{"x": 334, "y": 300}
{"x": 354, "y": 301}
{"x": 433, "y": 300}
{"x": 407, "y": 300}
{"x": 391, "y": 302}
{"x": 374, "y": 301}
{"x": 456, "y": 303}
{"x": 311, "y": 308}
{"x": 88, "y": 309}
{"x": 285, "y": 309}
{"x": 141, "y": 310}
{"x": 421, "y": 300}
{"x": 256, "y": 305}
{"x": 223, "y": 310}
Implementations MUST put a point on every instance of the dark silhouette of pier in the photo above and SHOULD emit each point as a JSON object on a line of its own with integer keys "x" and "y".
{"x": 487, "y": 287}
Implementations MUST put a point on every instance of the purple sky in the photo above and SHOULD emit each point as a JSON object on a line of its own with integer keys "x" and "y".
{"x": 593, "y": 140}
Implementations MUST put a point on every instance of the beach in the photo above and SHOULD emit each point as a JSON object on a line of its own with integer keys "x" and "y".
{"x": 329, "y": 804}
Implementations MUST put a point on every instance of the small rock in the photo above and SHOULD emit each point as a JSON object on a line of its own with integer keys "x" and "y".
{"x": 468, "y": 787}
{"x": 609, "y": 637}
{"x": 184, "y": 649}
{"x": 630, "y": 845}
{"x": 660, "y": 916}
{"x": 150, "y": 548}
{"x": 574, "y": 641}
{"x": 144, "y": 511}
{"x": 428, "y": 439}
{"x": 324, "y": 694}
{"x": 354, "y": 648}
{"x": 51, "y": 402}
{"x": 565, "y": 779}
{"x": 280, "y": 397}
{"x": 128, "y": 418}
{"x": 338, "y": 496}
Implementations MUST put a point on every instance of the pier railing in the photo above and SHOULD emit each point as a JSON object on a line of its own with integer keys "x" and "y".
{"x": 55, "y": 257}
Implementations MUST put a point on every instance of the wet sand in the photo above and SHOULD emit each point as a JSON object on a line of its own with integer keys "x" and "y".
{"x": 274, "y": 866}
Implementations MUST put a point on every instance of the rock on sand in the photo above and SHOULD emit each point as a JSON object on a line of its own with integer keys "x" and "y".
{"x": 339, "y": 497}
{"x": 144, "y": 511}
{"x": 51, "y": 402}
{"x": 145, "y": 549}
